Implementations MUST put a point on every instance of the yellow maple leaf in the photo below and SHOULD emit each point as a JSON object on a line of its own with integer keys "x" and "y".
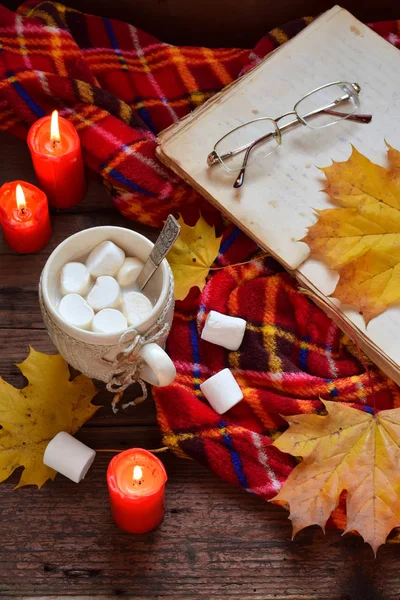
{"x": 346, "y": 450}
{"x": 361, "y": 240}
{"x": 31, "y": 417}
{"x": 192, "y": 256}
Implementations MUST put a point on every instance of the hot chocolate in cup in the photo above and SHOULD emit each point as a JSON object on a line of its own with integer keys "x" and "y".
{"x": 94, "y": 354}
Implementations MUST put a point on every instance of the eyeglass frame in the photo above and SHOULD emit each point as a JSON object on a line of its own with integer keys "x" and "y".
{"x": 213, "y": 158}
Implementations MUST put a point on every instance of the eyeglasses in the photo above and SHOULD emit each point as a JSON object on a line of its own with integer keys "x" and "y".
{"x": 256, "y": 139}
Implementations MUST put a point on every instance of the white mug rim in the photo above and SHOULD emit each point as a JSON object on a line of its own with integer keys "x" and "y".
{"x": 92, "y": 336}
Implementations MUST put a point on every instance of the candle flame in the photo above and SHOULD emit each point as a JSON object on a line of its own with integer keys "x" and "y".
{"x": 137, "y": 473}
{"x": 20, "y": 197}
{"x": 54, "y": 128}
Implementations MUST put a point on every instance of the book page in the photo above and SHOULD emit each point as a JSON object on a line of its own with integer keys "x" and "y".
{"x": 277, "y": 201}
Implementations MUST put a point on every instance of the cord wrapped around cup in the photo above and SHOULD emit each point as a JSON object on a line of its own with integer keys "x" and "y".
{"x": 95, "y": 353}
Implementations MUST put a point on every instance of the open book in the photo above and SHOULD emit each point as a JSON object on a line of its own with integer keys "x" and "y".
{"x": 275, "y": 206}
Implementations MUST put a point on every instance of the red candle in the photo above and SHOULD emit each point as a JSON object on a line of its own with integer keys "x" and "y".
{"x": 24, "y": 217}
{"x": 56, "y": 154}
{"x": 136, "y": 481}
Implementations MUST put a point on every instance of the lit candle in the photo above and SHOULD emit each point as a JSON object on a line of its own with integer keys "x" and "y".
{"x": 136, "y": 481}
{"x": 57, "y": 158}
{"x": 24, "y": 217}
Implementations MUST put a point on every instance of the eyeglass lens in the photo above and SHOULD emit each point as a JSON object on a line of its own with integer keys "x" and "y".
{"x": 328, "y": 105}
{"x": 232, "y": 147}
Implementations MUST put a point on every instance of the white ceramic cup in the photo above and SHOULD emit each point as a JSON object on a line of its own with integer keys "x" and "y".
{"x": 94, "y": 353}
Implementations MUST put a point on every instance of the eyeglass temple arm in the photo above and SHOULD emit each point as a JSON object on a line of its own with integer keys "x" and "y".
{"x": 356, "y": 118}
{"x": 240, "y": 178}
{"x": 213, "y": 158}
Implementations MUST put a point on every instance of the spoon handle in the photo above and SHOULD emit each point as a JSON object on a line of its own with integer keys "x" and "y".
{"x": 162, "y": 246}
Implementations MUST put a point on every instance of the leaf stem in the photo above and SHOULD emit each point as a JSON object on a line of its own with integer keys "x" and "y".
{"x": 241, "y": 263}
{"x": 118, "y": 451}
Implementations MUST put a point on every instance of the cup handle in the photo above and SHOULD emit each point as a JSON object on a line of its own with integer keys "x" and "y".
{"x": 159, "y": 369}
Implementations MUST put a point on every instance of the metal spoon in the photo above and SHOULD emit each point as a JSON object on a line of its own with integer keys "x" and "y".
{"x": 162, "y": 246}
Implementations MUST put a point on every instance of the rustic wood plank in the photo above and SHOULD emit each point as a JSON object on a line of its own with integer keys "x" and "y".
{"x": 215, "y": 541}
{"x": 14, "y": 347}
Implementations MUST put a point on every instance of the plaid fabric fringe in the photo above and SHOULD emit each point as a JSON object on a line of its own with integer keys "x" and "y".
{"x": 120, "y": 86}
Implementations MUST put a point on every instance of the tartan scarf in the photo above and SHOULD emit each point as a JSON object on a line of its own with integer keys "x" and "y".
{"x": 292, "y": 355}
{"x": 120, "y": 86}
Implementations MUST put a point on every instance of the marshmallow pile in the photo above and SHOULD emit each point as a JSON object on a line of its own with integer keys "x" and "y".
{"x": 100, "y": 295}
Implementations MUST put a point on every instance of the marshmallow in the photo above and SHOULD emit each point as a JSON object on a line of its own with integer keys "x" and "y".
{"x": 109, "y": 320}
{"x": 223, "y": 330}
{"x": 222, "y": 391}
{"x": 75, "y": 279}
{"x": 68, "y": 456}
{"x": 129, "y": 271}
{"x": 136, "y": 307}
{"x": 105, "y": 259}
{"x": 76, "y": 311}
{"x": 104, "y": 294}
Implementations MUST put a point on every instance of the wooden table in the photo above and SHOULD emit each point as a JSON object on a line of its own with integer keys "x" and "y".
{"x": 215, "y": 542}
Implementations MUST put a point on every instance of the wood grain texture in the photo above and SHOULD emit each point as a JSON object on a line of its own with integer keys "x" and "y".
{"x": 216, "y": 542}
{"x": 14, "y": 347}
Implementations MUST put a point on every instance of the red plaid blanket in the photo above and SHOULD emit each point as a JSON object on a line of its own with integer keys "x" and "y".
{"x": 291, "y": 356}
{"x": 120, "y": 86}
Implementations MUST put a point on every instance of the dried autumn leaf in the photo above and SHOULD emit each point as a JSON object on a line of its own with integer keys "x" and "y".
{"x": 192, "y": 256}
{"x": 31, "y": 417}
{"x": 361, "y": 240}
{"x": 351, "y": 450}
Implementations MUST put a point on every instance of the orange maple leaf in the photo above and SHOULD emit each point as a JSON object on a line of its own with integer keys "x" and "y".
{"x": 361, "y": 239}
{"x": 31, "y": 417}
{"x": 350, "y": 450}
